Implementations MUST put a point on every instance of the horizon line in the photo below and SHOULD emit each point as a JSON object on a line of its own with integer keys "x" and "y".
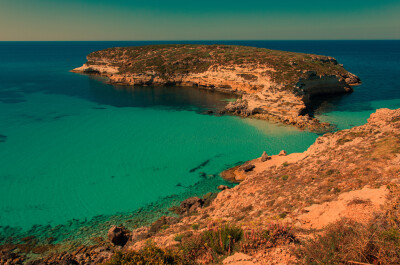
{"x": 201, "y": 40}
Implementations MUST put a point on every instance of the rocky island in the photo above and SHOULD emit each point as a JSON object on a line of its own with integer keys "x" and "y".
{"x": 272, "y": 85}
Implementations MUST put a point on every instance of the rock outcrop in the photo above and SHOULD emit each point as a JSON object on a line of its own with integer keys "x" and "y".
{"x": 265, "y": 157}
{"x": 273, "y": 85}
{"x": 191, "y": 205}
{"x": 118, "y": 236}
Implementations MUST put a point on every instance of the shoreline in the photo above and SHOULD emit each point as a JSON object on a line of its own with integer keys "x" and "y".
{"x": 312, "y": 124}
{"x": 77, "y": 233}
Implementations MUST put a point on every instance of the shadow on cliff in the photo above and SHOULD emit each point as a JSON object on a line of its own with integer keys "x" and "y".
{"x": 329, "y": 103}
{"x": 170, "y": 97}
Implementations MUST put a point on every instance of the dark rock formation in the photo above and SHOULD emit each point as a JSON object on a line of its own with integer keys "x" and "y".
{"x": 247, "y": 167}
{"x": 282, "y": 153}
{"x": 191, "y": 205}
{"x": 265, "y": 157}
{"x": 118, "y": 236}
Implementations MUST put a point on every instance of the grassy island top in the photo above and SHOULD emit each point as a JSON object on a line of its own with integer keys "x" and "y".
{"x": 174, "y": 59}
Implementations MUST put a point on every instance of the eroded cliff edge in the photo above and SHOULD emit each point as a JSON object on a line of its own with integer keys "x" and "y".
{"x": 273, "y": 85}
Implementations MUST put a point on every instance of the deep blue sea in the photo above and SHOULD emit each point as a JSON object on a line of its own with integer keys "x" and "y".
{"x": 73, "y": 147}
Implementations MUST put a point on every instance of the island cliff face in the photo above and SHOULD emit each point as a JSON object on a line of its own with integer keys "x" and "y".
{"x": 273, "y": 85}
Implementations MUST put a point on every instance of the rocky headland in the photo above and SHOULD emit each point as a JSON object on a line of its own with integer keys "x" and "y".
{"x": 336, "y": 203}
{"x": 272, "y": 85}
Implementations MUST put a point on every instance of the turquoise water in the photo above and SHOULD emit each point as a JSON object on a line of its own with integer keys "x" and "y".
{"x": 101, "y": 161}
{"x": 74, "y": 147}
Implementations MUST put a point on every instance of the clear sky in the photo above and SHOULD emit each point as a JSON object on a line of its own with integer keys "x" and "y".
{"x": 198, "y": 20}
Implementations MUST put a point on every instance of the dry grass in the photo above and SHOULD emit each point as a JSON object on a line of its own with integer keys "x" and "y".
{"x": 386, "y": 147}
{"x": 349, "y": 242}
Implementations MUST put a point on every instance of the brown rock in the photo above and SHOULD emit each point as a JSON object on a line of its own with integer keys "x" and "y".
{"x": 282, "y": 153}
{"x": 191, "y": 205}
{"x": 223, "y": 187}
{"x": 265, "y": 157}
{"x": 118, "y": 235}
{"x": 247, "y": 168}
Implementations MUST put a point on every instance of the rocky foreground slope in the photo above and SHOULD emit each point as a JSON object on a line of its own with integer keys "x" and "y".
{"x": 345, "y": 188}
{"x": 273, "y": 85}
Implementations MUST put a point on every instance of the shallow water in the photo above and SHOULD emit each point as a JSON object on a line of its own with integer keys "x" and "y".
{"x": 72, "y": 146}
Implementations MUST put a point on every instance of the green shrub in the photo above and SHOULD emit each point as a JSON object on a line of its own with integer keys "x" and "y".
{"x": 271, "y": 236}
{"x": 193, "y": 247}
{"x": 222, "y": 239}
{"x": 164, "y": 227}
{"x": 349, "y": 242}
{"x": 149, "y": 255}
{"x": 282, "y": 215}
{"x": 178, "y": 237}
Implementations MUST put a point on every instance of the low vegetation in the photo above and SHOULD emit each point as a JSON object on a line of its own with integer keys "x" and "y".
{"x": 150, "y": 254}
{"x": 209, "y": 246}
{"x": 349, "y": 242}
{"x": 180, "y": 59}
{"x": 343, "y": 242}
{"x": 206, "y": 247}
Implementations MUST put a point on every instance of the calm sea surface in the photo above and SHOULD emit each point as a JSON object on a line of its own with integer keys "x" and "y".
{"x": 73, "y": 147}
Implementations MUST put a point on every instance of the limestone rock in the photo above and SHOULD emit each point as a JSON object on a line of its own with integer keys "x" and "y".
{"x": 282, "y": 153}
{"x": 265, "y": 157}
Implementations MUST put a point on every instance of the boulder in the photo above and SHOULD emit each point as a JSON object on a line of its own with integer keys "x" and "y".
{"x": 223, "y": 187}
{"x": 265, "y": 157}
{"x": 118, "y": 236}
{"x": 282, "y": 153}
{"x": 352, "y": 79}
{"x": 191, "y": 205}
